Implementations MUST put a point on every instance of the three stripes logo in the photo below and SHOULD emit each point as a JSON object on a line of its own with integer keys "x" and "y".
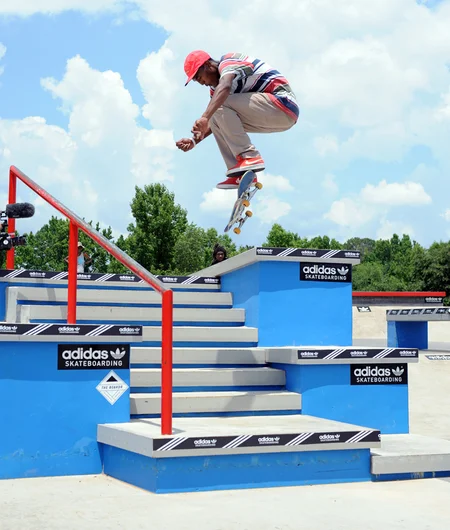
{"x": 100, "y": 278}
{"x": 278, "y": 252}
{"x": 83, "y": 330}
{"x": 266, "y": 440}
{"x": 354, "y": 353}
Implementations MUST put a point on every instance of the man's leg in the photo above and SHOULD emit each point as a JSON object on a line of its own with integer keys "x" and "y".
{"x": 242, "y": 113}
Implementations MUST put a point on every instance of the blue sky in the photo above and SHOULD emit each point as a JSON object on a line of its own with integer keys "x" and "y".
{"x": 92, "y": 100}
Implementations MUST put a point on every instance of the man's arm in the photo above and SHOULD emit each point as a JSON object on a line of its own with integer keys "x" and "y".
{"x": 220, "y": 95}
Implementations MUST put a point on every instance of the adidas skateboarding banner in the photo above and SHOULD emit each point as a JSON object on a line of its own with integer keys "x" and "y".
{"x": 82, "y": 330}
{"x": 93, "y": 356}
{"x": 277, "y": 252}
{"x": 325, "y": 272}
{"x": 357, "y": 353}
{"x": 379, "y": 374}
{"x": 108, "y": 278}
{"x": 266, "y": 440}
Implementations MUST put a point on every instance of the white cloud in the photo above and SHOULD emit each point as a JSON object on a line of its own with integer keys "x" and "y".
{"x": 94, "y": 165}
{"x": 156, "y": 75}
{"x": 348, "y": 212}
{"x": 2, "y": 54}
{"x": 329, "y": 184}
{"x": 275, "y": 182}
{"x": 387, "y": 229}
{"x": 326, "y": 144}
{"x": 270, "y": 209}
{"x": 373, "y": 200}
{"x": 395, "y": 194}
{"x": 446, "y": 215}
{"x": 218, "y": 201}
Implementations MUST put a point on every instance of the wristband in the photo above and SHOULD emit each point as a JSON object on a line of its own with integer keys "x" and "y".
{"x": 193, "y": 141}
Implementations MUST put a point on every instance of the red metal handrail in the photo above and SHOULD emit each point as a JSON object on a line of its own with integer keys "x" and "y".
{"x": 167, "y": 294}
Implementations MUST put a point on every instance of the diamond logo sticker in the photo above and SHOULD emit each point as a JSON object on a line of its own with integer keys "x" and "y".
{"x": 112, "y": 387}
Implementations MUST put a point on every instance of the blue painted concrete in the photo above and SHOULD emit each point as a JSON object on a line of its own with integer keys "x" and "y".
{"x": 327, "y": 393}
{"x": 128, "y": 304}
{"x": 176, "y": 323}
{"x": 49, "y": 417}
{"x": 206, "y": 344}
{"x": 224, "y": 414}
{"x": 407, "y": 334}
{"x": 288, "y": 311}
{"x": 410, "y": 476}
{"x": 234, "y": 388}
{"x": 3, "y": 286}
{"x": 244, "y": 471}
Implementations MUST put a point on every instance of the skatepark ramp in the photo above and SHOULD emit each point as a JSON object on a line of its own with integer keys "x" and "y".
{"x": 268, "y": 389}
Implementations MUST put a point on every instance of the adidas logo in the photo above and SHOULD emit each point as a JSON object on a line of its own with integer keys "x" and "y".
{"x": 205, "y": 443}
{"x": 398, "y": 371}
{"x": 269, "y": 440}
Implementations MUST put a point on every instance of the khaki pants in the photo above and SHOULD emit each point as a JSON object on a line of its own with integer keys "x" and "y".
{"x": 243, "y": 113}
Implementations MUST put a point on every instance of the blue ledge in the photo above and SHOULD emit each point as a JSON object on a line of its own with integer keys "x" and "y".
{"x": 242, "y": 471}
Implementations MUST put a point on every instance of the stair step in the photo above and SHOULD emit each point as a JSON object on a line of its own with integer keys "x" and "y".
{"x": 252, "y": 434}
{"x": 115, "y": 296}
{"x": 31, "y": 313}
{"x": 204, "y": 336}
{"x": 217, "y": 402}
{"x": 200, "y": 356}
{"x": 209, "y": 377}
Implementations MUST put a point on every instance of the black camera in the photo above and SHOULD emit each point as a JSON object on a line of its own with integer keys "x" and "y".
{"x": 13, "y": 211}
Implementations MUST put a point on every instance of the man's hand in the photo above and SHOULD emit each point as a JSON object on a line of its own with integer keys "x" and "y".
{"x": 200, "y": 128}
{"x": 185, "y": 144}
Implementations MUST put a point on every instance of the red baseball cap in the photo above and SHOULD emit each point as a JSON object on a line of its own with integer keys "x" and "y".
{"x": 193, "y": 62}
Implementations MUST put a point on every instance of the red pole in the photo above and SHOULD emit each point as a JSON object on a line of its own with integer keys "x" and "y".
{"x": 12, "y": 222}
{"x": 166, "y": 362}
{"x": 72, "y": 283}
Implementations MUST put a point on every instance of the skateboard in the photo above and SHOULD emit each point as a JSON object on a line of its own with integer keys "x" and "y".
{"x": 245, "y": 193}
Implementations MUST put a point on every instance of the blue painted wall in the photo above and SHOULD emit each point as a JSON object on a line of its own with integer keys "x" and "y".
{"x": 290, "y": 312}
{"x": 49, "y": 417}
{"x": 407, "y": 334}
{"x": 327, "y": 393}
{"x": 3, "y": 286}
{"x": 225, "y": 472}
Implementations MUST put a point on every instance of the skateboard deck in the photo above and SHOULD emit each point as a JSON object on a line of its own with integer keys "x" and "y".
{"x": 245, "y": 193}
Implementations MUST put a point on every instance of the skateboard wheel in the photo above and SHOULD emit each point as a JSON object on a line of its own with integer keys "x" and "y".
{"x": 237, "y": 230}
{"x": 258, "y": 185}
{"x": 248, "y": 213}
{"x": 246, "y": 203}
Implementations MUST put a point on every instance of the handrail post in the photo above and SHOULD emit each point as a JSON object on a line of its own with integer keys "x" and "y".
{"x": 166, "y": 362}
{"x": 72, "y": 280}
{"x": 12, "y": 194}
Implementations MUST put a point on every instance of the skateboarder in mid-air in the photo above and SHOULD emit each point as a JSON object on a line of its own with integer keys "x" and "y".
{"x": 247, "y": 95}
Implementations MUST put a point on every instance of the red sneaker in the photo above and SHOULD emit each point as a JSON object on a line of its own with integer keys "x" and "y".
{"x": 255, "y": 163}
{"x": 232, "y": 183}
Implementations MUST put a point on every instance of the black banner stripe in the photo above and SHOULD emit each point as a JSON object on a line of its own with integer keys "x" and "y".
{"x": 267, "y": 440}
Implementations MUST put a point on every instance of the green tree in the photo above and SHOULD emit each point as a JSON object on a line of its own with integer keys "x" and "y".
{"x": 190, "y": 251}
{"x": 46, "y": 249}
{"x": 365, "y": 245}
{"x": 159, "y": 222}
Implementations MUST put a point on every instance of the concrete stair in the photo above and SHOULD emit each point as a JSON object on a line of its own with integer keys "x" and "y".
{"x": 217, "y": 403}
{"x": 209, "y": 377}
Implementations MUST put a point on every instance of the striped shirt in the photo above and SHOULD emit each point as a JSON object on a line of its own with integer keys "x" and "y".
{"x": 254, "y": 75}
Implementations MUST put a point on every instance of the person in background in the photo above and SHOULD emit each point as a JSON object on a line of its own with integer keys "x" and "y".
{"x": 83, "y": 258}
{"x": 219, "y": 254}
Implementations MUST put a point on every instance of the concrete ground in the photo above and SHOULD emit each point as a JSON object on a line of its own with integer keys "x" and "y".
{"x": 101, "y": 503}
